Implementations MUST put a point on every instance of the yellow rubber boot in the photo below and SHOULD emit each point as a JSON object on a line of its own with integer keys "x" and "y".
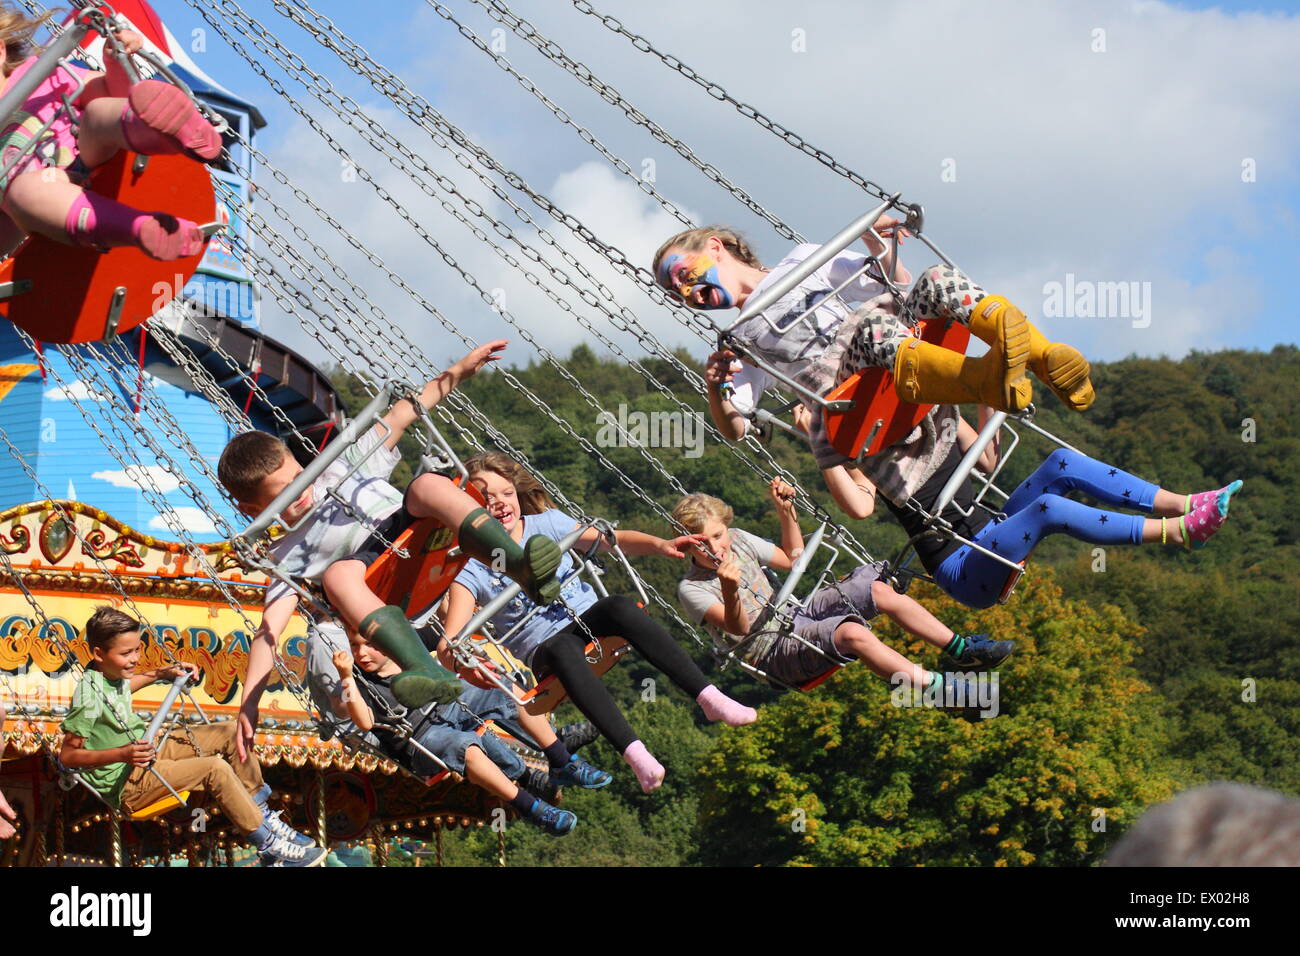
{"x": 929, "y": 374}
{"x": 1062, "y": 368}
{"x": 926, "y": 374}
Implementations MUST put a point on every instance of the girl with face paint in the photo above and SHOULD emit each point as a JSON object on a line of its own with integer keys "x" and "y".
{"x": 714, "y": 268}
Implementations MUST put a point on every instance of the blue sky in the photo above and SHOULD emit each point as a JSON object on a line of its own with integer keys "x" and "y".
{"x": 1117, "y": 168}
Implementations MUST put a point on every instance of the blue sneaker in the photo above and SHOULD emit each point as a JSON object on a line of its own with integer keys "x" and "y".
{"x": 553, "y": 820}
{"x": 280, "y": 852}
{"x": 579, "y": 773}
{"x": 273, "y": 822}
{"x": 982, "y": 652}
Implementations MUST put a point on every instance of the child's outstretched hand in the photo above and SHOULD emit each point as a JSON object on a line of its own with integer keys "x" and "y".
{"x": 679, "y": 547}
{"x": 173, "y": 671}
{"x": 476, "y": 359}
{"x": 343, "y": 664}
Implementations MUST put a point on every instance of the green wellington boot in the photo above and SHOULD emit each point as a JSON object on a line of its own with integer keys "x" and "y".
{"x": 422, "y": 679}
{"x": 533, "y": 566}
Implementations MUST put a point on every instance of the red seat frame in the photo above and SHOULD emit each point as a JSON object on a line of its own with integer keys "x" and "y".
{"x": 418, "y": 582}
{"x": 879, "y": 417}
{"x": 74, "y": 290}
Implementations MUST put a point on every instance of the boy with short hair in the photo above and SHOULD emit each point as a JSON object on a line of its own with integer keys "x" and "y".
{"x": 333, "y": 548}
{"x": 103, "y": 738}
{"x": 728, "y": 592}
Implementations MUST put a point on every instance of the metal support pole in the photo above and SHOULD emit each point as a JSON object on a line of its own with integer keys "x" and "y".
{"x": 967, "y": 463}
{"x": 322, "y": 826}
{"x": 45, "y": 65}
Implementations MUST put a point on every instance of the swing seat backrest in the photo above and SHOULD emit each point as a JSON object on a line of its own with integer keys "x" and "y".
{"x": 879, "y": 417}
{"x": 59, "y": 293}
{"x": 416, "y": 583}
{"x": 550, "y": 693}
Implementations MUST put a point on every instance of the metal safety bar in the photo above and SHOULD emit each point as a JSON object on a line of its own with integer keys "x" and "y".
{"x": 965, "y": 471}
{"x": 828, "y": 250}
{"x": 462, "y": 644}
{"x": 46, "y": 64}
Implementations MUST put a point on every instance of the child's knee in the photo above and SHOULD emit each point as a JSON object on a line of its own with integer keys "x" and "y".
{"x": 343, "y": 574}
{"x": 883, "y": 596}
{"x": 432, "y": 485}
{"x": 855, "y": 638}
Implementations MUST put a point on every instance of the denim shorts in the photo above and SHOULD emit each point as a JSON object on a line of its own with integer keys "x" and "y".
{"x": 450, "y": 729}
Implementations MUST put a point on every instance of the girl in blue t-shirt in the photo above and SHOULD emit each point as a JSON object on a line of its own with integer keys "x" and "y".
{"x": 554, "y": 641}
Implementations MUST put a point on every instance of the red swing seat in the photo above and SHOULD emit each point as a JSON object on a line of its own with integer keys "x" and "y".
{"x": 418, "y": 582}
{"x": 66, "y": 294}
{"x": 879, "y": 417}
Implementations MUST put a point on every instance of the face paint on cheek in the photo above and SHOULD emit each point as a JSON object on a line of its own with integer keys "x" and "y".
{"x": 695, "y": 271}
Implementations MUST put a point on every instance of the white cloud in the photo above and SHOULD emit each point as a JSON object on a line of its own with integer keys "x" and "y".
{"x": 140, "y": 477}
{"x": 193, "y": 520}
{"x": 78, "y": 390}
{"x": 1123, "y": 165}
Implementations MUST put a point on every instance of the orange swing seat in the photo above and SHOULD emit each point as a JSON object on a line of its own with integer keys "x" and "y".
{"x": 878, "y": 417}
{"x": 66, "y": 294}
{"x": 417, "y": 583}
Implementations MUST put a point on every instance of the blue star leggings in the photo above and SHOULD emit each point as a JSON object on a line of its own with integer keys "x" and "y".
{"x": 1036, "y": 509}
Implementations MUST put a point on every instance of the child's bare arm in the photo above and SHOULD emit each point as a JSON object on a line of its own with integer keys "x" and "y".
{"x": 74, "y": 755}
{"x": 782, "y": 493}
{"x": 729, "y": 614}
{"x": 354, "y": 707}
{"x": 261, "y": 661}
{"x": 403, "y": 414}
{"x": 852, "y": 490}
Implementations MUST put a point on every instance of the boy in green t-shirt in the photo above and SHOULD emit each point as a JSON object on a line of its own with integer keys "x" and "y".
{"x": 103, "y": 739}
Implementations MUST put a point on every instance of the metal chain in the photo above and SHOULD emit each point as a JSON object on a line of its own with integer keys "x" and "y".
{"x": 500, "y": 12}
{"x": 118, "y": 446}
{"x": 646, "y": 186}
{"x": 271, "y": 45}
{"x": 110, "y": 576}
{"x": 716, "y": 91}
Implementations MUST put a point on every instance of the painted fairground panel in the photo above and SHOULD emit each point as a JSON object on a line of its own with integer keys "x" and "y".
{"x": 66, "y": 571}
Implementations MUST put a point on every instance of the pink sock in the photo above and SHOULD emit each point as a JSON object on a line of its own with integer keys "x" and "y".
{"x": 649, "y": 772}
{"x": 1201, "y": 497}
{"x": 95, "y": 220}
{"x": 1201, "y": 524}
{"x": 718, "y": 706}
{"x": 158, "y": 118}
